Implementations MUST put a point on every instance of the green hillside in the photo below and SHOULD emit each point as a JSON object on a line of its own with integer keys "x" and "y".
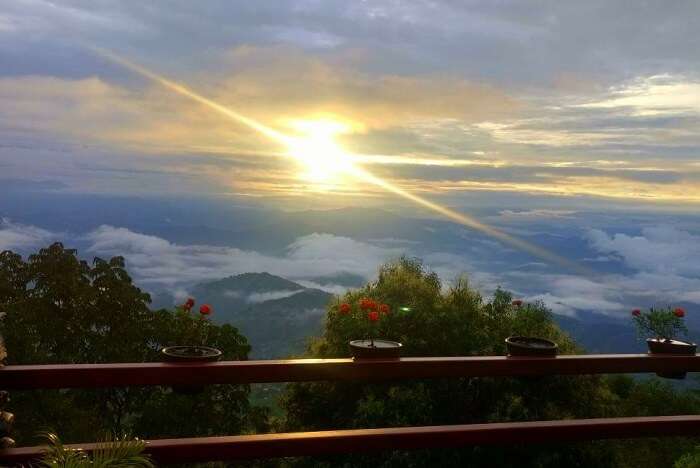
{"x": 277, "y": 315}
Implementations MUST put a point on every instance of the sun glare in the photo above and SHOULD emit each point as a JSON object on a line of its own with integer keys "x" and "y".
{"x": 314, "y": 145}
{"x": 317, "y": 150}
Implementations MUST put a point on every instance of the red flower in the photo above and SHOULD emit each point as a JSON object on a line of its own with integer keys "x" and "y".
{"x": 367, "y": 304}
{"x": 517, "y": 303}
{"x": 373, "y": 316}
{"x": 679, "y": 312}
{"x": 636, "y": 312}
{"x": 344, "y": 308}
{"x": 205, "y": 309}
{"x": 384, "y": 308}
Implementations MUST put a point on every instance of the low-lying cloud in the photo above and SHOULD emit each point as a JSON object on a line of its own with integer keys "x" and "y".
{"x": 158, "y": 262}
{"x": 256, "y": 298}
{"x": 15, "y": 236}
{"x": 658, "y": 266}
{"x": 662, "y": 249}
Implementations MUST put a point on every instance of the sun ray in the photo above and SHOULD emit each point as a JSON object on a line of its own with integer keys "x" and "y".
{"x": 324, "y": 150}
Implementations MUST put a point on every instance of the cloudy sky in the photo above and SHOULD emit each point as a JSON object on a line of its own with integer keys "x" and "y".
{"x": 594, "y": 100}
{"x": 573, "y": 125}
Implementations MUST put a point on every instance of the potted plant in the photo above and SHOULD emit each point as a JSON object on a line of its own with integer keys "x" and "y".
{"x": 369, "y": 314}
{"x": 196, "y": 333}
{"x": 529, "y": 345}
{"x": 664, "y": 325}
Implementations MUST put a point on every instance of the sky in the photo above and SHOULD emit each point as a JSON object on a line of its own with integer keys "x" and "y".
{"x": 574, "y": 126}
{"x": 595, "y": 101}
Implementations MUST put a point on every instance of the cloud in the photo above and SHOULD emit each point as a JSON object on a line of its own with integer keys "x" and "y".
{"x": 399, "y": 73}
{"x": 156, "y": 262}
{"x": 663, "y": 260}
{"x": 658, "y": 268}
{"x": 337, "y": 289}
{"x": 653, "y": 95}
{"x": 255, "y": 298}
{"x": 569, "y": 294}
{"x": 273, "y": 84}
{"x": 14, "y": 236}
{"x": 536, "y": 214}
{"x": 24, "y": 185}
{"x": 660, "y": 249}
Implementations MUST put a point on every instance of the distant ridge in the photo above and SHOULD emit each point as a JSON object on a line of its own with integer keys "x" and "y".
{"x": 250, "y": 283}
{"x": 275, "y": 314}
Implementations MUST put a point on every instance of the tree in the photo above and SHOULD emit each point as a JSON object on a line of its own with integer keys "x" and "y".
{"x": 60, "y": 309}
{"x": 457, "y": 322}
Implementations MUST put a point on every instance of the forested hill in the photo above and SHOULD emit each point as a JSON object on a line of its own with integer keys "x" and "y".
{"x": 276, "y": 315}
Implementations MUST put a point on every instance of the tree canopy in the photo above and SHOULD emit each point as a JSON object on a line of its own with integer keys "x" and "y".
{"x": 61, "y": 309}
{"x": 456, "y": 321}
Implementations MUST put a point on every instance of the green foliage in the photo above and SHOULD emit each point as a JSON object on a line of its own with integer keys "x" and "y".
{"x": 651, "y": 397}
{"x": 689, "y": 460}
{"x": 454, "y": 322}
{"x": 660, "y": 323}
{"x": 60, "y": 309}
{"x": 112, "y": 452}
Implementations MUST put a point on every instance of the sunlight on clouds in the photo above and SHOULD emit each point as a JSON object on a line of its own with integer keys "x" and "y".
{"x": 517, "y": 132}
{"x": 423, "y": 161}
{"x": 654, "y": 95}
{"x": 608, "y": 187}
{"x": 418, "y": 126}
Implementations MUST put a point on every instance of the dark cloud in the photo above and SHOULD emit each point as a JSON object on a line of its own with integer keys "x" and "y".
{"x": 508, "y": 42}
{"x": 22, "y": 185}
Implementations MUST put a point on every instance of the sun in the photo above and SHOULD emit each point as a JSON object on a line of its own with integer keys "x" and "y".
{"x": 317, "y": 150}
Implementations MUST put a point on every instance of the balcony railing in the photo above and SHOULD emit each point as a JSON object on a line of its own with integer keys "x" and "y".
{"x": 340, "y": 441}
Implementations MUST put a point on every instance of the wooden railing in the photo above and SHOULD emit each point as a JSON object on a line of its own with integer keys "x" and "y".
{"x": 327, "y": 442}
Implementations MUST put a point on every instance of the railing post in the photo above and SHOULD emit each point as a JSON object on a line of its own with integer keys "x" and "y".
{"x": 6, "y": 419}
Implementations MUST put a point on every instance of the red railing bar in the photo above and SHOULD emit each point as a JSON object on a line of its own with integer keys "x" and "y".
{"x": 404, "y": 438}
{"x": 297, "y": 370}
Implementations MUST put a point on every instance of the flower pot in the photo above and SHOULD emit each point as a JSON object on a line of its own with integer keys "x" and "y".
{"x": 661, "y": 346}
{"x": 375, "y": 349}
{"x": 530, "y": 346}
{"x": 180, "y": 354}
{"x": 190, "y": 354}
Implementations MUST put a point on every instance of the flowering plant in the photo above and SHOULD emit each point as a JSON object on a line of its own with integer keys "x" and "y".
{"x": 369, "y": 311}
{"x": 660, "y": 323}
{"x": 196, "y": 331}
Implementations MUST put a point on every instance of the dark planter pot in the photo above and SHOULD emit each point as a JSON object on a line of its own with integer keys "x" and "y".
{"x": 180, "y": 354}
{"x": 529, "y": 346}
{"x": 190, "y": 354}
{"x": 375, "y": 349}
{"x": 660, "y": 346}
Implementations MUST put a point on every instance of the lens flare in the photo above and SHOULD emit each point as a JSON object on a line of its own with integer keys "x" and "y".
{"x": 321, "y": 149}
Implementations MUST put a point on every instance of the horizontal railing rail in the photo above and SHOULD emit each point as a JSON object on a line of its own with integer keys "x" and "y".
{"x": 408, "y": 438}
{"x": 298, "y": 370}
{"x": 55, "y": 376}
